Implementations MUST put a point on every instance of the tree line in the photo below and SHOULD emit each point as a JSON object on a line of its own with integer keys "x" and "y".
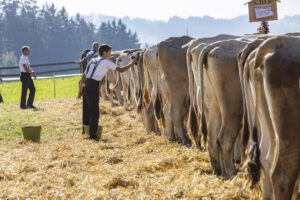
{"x": 52, "y": 34}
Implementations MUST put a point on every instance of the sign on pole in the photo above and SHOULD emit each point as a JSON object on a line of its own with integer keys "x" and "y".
{"x": 262, "y": 10}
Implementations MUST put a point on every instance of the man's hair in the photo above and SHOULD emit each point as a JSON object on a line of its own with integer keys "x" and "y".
{"x": 24, "y": 48}
{"x": 104, "y": 48}
{"x": 95, "y": 43}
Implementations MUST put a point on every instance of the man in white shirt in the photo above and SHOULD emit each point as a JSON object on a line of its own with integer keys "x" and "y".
{"x": 1, "y": 99}
{"x": 26, "y": 80}
{"x": 94, "y": 73}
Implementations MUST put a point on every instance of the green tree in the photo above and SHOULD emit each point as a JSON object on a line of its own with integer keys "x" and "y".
{"x": 117, "y": 35}
{"x": 9, "y": 59}
{"x": 52, "y": 34}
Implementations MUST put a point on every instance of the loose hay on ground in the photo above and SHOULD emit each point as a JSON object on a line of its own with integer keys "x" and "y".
{"x": 127, "y": 164}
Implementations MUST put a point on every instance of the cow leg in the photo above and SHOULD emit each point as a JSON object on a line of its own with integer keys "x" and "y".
{"x": 178, "y": 129}
{"x": 229, "y": 98}
{"x": 119, "y": 96}
{"x": 125, "y": 96}
{"x": 156, "y": 128}
{"x": 226, "y": 140}
{"x": 286, "y": 175}
{"x": 133, "y": 92}
{"x": 169, "y": 122}
{"x": 213, "y": 149}
{"x": 237, "y": 151}
{"x": 267, "y": 187}
{"x": 104, "y": 94}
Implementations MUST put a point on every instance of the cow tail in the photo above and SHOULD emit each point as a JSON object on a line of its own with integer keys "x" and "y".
{"x": 193, "y": 126}
{"x": 158, "y": 100}
{"x": 107, "y": 85}
{"x": 242, "y": 57}
{"x": 202, "y": 62}
{"x": 253, "y": 163}
{"x": 192, "y": 123}
{"x": 146, "y": 95}
{"x": 141, "y": 69}
{"x": 129, "y": 88}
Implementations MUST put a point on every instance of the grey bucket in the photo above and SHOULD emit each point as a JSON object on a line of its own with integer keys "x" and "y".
{"x": 99, "y": 132}
{"x": 32, "y": 133}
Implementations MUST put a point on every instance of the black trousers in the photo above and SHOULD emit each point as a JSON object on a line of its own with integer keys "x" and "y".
{"x": 1, "y": 99}
{"x": 27, "y": 83}
{"x": 90, "y": 112}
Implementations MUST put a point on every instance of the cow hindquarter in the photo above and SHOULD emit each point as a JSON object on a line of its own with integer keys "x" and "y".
{"x": 225, "y": 102}
{"x": 255, "y": 97}
{"x": 225, "y": 82}
{"x": 281, "y": 79}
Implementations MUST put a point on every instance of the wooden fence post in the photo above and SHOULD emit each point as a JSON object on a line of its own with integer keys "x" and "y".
{"x": 54, "y": 85}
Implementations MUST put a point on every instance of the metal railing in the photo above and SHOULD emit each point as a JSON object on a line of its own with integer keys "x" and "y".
{"x": 39, "y": 66}
{"x": 15, "y": 77}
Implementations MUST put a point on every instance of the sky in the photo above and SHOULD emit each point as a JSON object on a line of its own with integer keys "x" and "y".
{"x": 164, "y": 9}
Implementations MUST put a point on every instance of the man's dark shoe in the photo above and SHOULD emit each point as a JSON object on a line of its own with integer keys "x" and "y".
{"x": 94, "y": 138}
{"x": 23, "y": 108}
{"x": 31, "y": 107}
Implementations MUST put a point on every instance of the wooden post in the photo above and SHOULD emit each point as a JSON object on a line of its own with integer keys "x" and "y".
{"x": 54, "y": 85}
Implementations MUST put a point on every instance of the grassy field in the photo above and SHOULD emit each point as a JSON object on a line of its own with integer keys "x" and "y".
{"x": 65, "y": 87}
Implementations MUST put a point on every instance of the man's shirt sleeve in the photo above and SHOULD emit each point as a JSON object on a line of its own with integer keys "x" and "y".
{"x": 110, "y": 65}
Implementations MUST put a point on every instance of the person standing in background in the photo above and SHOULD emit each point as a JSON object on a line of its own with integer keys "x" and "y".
{"x": 1, "y": 99}
{"x": 90, "y": 54}
{"x": 27, "y": 82}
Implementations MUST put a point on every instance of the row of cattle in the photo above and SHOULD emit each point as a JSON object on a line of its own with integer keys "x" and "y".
{"x": 239, "y": 96}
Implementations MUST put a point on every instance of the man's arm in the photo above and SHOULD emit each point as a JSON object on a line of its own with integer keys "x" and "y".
{"x": 1, "y": 80}
{"x": 82, "y": 60}
{"x": 29, "y": 71}
{"x": 125, "y": 68}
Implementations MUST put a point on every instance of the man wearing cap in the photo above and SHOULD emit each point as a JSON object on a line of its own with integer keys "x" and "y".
{"x": 94, "y": 73}
{"x": 26, "y": 79}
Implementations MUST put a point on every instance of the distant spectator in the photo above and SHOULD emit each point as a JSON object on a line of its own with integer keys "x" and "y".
{"x": 1, "y": 99}
{"x": 90, "y": 55}
{"x": 26, "y": 79}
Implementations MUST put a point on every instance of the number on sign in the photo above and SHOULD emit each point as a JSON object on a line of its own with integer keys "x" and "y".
{"x": 262, "y": 2}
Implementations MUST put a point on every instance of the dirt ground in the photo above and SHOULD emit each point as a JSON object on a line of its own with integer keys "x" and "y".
{"x": 126, "y": 164}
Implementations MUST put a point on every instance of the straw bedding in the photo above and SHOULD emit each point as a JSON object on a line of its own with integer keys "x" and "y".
{"x": 126, "y": 164}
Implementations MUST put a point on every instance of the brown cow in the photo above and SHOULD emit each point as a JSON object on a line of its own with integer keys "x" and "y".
{"x": 194, "y": 49}
{"x": 270, "y": 77}
{"x": 221, "y": 91}
{"x": 171, "y": 60}
{"x": 139, "y": 85}
{"x": 125, "y": 77}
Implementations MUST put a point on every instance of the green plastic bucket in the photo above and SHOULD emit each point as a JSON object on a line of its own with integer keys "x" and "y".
{"x": 99, "y": 132}
{"x": 32, "y": 133}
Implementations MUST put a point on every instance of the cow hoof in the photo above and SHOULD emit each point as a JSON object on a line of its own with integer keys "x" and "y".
{"x": 230, "y": 174}
{"x": 238, "y": 161}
